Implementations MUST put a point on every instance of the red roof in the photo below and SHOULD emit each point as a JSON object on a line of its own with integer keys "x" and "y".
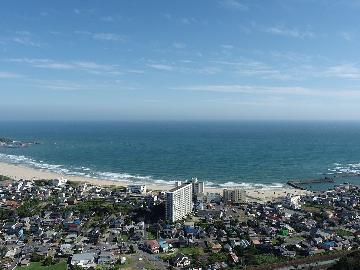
{"x": 13, "y": 204}
{"x": 153, "y": 244}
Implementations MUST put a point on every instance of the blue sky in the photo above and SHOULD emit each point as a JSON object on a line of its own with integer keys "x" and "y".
{"x": 204, "y": 59}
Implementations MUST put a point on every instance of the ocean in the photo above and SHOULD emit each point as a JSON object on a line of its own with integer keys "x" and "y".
{"x": 224, "y": 154}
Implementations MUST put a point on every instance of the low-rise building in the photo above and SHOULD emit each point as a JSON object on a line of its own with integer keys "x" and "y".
{"x": 85, "y": 260}
{"x": 138, "y": 189}
{"x": 152, "y": 246}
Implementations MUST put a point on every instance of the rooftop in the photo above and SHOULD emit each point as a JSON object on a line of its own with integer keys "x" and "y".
{"x": 180, "y": 187}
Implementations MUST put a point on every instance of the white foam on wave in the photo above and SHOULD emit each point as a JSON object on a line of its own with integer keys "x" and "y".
{"x": 350, "y": 168}
{"x": 75, "y": 171}
{"x": 246, "y": 185}
{"x": 163, "y": 182}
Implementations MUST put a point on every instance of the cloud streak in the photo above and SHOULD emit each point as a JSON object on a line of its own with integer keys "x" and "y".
{"x": 24, "y": 38}
{"x": 102, "y": 36}
{"x": 345, "y": 71}
{"x": 161, "y": 67}
{"x": 273, "y": 91}
{"x": 90, "y": 67}
{"x": 289, "y": 32}
{"x": 9, "y": 75}
{"x": 246, "y": 89}
{"x": 234, "y": 5}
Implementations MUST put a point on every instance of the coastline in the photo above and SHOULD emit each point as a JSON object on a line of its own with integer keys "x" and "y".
{"x": 18, "y": 172}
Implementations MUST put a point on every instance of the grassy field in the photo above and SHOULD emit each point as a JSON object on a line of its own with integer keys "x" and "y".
{"x": 38, "y": 266}
{"x": 191, "y": 251}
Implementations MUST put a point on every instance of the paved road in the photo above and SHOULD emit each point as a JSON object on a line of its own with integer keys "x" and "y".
{"x": 309, "y": 265}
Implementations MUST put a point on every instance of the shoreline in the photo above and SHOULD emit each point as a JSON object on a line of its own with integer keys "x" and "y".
{"x": 17, "y": 172}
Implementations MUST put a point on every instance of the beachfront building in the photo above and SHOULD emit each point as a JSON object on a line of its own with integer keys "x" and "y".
{"x": 59, "y": 182}
{"x": 237, "y": 195}
{"x": 198, "y": 187}
{"x": 293, "y": 202}
{"x": 138, "y": 189}
{"x": 213, "y": 197}
{"x": 179, "y": 201}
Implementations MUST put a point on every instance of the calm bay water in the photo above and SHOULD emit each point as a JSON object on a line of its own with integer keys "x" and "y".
{"x": 221, "y": 153}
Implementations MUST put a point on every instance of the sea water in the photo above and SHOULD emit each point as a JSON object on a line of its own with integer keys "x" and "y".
{"x": 225, "y": 154}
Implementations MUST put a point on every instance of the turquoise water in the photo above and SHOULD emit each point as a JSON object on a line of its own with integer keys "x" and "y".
{"x": 221, "y": 153}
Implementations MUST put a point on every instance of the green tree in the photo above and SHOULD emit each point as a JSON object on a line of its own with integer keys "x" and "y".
{"x": 36, "y": 257}
{"x": 48, "y": 261}
{"x": 217, "y": 257}
{"x": 3, "y": 251}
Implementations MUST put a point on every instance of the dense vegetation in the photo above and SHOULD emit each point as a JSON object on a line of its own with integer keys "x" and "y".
{"x": 41, "y": 266}
{"x": 349, "y": 262}
{"x": 4, "y": 178}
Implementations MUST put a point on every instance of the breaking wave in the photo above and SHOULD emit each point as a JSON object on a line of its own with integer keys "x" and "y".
{"x": 72, "y": 171}
{"x": 123, "y": 177}
{"x": 350, "y": 168}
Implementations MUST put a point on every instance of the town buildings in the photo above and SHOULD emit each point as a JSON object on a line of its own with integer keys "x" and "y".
{"x": 98, "y": 226}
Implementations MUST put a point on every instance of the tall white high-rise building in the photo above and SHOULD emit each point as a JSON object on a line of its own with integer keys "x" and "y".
{"x": 179, "y": 202}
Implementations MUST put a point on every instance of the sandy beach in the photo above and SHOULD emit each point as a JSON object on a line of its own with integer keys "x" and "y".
{"x": 18, "y": 172}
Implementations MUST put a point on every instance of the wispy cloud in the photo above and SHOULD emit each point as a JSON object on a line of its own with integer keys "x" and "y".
{"x": 79, "y": 11}
{"x": 296, "y": 57}
{"x": 186, "y": 20}
{"x": 247, "y": 89}
{"x": 185, "y": 67}
{"x": 167, "y": 16}
{"x": 272, "y": 101}
{"x": 9, "y": 75}
{"x": 68, "y": 85}
{"x": 110, "y": 18}
{"x": 278, "y": 91}
{"x": 26, "y": 41}
{"x": 161, "y": 67}
{"x": 60, "y": 85}
{"x": 209, "y": 70}
{"x": 87, "y": 66}
{"x": 179, "y": 45}
{"x": 346, "y": 36}
{"x": 108, "y": 36}
{"x": 346, "y": 71}
{"x": 227, "y": 46}
{"x": 103, "y": 36}
{"x": 289, "y": 32}
{"x": 107, "y": 19}
{"x": 256, "y": 68}
{"x": 234, "y": 5}
{"x": 24, "y": 38}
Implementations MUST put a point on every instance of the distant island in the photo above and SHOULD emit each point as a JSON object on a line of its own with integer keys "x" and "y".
{"x": 6, "y": 142}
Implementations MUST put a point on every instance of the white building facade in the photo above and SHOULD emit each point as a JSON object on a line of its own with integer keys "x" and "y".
{"x": 179, "y": 202}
